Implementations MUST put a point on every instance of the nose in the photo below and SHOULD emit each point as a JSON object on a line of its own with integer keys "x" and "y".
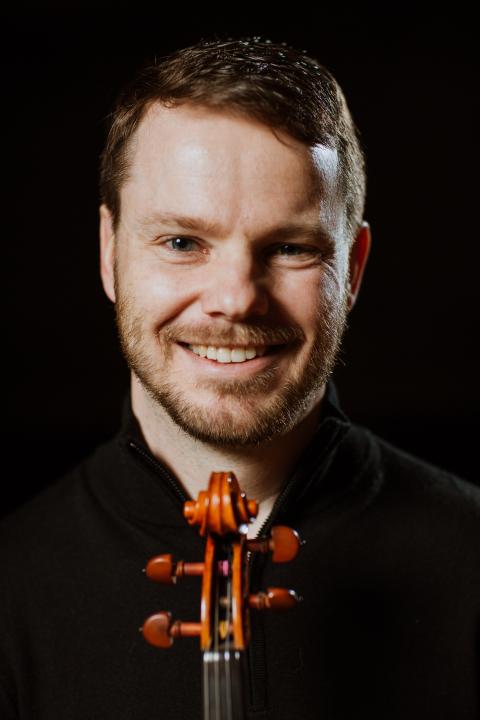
{"x": 234, "y": 288}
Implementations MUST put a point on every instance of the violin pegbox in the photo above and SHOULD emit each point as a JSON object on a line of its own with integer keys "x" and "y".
{"x": 222, "y": 514}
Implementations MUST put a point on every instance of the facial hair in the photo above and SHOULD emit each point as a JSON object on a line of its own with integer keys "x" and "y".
{"x": 265, "y": 413}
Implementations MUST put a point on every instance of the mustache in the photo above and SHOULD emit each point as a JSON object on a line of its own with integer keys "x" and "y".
{"x": 244, "y": 335}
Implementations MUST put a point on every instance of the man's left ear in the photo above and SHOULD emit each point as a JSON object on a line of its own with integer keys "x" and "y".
{"x": 107, "y": 252}
{"x": 358, "y": 259}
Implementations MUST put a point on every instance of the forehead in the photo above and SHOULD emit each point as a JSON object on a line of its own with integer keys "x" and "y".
{"x": 202, "y": 156}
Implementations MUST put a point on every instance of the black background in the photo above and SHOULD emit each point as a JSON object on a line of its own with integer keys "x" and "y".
{"x": 411, "y": 78}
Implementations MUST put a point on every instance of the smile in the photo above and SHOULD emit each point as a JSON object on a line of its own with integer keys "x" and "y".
{"x": 228, "y": 354}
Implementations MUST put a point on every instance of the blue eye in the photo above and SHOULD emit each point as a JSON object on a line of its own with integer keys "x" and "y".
{"x": 179, "y": 242}
{"x": 288, "y": 250}
{"x": 296, "y": 248}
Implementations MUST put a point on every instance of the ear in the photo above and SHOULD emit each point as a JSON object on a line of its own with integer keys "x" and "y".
{"x": 358, "y": 259}
{"x": 107, "y": 252}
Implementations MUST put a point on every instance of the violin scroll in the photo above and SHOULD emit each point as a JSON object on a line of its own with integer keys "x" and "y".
{"x": 223, "y": 508}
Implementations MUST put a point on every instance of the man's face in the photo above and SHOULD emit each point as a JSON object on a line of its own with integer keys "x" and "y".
{"x": 245, "y": 279}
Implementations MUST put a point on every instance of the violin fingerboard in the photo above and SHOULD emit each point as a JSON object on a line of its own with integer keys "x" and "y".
{"x": 223, "y": 685}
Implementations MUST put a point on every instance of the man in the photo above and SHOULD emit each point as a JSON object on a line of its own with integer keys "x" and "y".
{"x": 233, "y": 246}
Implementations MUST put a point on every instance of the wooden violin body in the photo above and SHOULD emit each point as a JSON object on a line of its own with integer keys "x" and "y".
{"x": 222, "y": 513}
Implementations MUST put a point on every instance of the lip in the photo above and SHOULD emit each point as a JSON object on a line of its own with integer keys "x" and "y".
{"x": 215, "y": 368}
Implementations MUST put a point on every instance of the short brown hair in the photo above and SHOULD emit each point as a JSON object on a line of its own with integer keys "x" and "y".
{"x": 276, "y": 84}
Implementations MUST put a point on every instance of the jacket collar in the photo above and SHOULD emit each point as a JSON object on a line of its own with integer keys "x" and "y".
{"x": 143, "y": 488}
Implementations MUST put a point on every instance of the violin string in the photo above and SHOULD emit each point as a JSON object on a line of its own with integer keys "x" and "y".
{"x": 221, "y": 669}
{"x": 216, "y": 646}
{"x": 227, "y": 654}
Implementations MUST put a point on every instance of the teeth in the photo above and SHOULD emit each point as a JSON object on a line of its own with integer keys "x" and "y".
{"x": 227, "y": 355}
{"x": 223, "y": 355}
{"x": 240, "y": 355}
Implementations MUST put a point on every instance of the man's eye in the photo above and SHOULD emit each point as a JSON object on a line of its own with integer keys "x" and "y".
{"x": 292, "y": 250}
{"x": 178, "y": 242}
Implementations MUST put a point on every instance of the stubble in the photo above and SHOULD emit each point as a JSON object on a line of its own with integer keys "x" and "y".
{"x": 246, "y": 412}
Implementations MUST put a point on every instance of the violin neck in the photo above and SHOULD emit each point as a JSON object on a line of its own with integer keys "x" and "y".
{"x": 223, "y": 685}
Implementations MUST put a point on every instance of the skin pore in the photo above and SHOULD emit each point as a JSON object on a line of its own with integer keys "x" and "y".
{"x": 270, "y": 265}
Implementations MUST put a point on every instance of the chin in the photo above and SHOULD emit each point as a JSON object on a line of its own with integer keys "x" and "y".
{"x": 229, "y": 422}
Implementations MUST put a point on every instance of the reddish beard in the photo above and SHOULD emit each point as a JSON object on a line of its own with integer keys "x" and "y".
{"x": 267, "y": 408}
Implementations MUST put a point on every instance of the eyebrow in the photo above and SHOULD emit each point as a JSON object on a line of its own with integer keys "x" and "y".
{"x": 183, "y": 221}
{"x": 313, "y": 231}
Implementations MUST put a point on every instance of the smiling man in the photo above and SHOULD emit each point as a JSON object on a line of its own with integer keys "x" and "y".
{"x": 232, "y": 272}
{"x": 263, "y": 273}
{"x": 233, "y": 246}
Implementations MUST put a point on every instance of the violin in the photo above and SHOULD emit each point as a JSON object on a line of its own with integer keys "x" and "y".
{"x": 222, "y": 514}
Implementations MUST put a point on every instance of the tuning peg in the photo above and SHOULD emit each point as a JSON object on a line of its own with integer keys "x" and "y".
{"x": 274, "y": 599}
{"x": 161, "y": 568}
{"x": 160, "y": 630}
{"x": 283, "y": 543}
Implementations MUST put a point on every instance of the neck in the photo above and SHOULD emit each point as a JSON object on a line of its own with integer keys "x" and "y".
{"x": 260, "y": 470}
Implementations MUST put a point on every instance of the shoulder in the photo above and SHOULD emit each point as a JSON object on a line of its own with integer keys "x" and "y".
{"x": 415, "y": 491}
{"x": 422, "y": 476}
{"x": 53, "y": 514}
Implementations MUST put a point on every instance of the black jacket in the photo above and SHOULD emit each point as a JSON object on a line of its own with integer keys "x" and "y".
{"x": 390, "y": 576}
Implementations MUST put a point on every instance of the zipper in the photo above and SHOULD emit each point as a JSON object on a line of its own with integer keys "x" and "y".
{"x": 268, "y": 522}
{"x": 300, "y": 473}
{"x": 276, "y": 506}
{"x": 255, "y": 664}
{"x": 174, "y": 485}
{"x": 256, "y": 660}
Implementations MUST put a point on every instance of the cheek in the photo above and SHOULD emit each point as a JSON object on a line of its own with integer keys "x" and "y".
{"x": 307, "y": 295}
{"x": 158, "y": 296}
